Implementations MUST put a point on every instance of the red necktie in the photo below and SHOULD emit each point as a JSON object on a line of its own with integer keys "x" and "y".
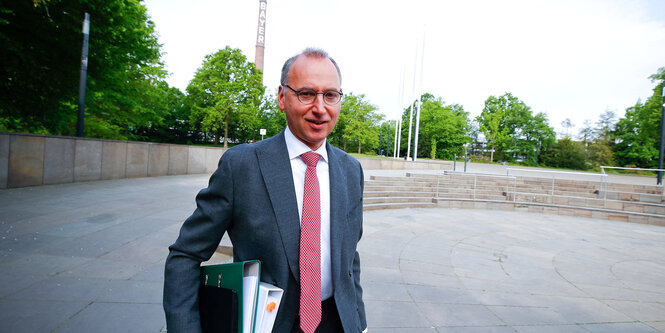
{"x": 310, "y": 248}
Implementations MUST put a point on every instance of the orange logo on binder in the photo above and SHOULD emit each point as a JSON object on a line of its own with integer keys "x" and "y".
{"x": 270, "y": 307}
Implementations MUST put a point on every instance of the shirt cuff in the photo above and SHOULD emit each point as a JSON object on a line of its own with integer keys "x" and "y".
{"x": 365, "y": 330}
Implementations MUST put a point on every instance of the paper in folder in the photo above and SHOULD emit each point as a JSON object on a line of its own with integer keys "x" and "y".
{"x": 228, "y": 296}
{"x": 267, "y": 306}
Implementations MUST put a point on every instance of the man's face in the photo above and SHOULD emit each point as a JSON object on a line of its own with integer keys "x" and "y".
{"x": 310, "y": 123}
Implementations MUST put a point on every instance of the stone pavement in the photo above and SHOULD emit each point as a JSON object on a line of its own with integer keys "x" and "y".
{"x": 89, "y": 257}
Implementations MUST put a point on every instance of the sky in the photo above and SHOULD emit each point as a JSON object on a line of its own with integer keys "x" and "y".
{"x": 570, "y": 59}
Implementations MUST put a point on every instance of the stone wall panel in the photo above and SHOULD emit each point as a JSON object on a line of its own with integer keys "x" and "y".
{"x": 26, "y": 161}
{"x": 59, "y": 160}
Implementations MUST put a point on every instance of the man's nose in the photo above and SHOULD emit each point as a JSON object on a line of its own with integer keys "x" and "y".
{"x": 319, "y": 105}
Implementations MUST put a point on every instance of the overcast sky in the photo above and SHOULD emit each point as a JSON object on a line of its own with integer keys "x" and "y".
{"x": 569, "y": 59}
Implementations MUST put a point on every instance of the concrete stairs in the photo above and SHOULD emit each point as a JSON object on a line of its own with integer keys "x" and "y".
{"x": 398, "y": 192}
{"x": 623, "y": 202}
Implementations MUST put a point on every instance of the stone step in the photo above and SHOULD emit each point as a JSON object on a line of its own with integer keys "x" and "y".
{"x": 590, "y": 212}
{"x": 368, "y": 207}
{"x": 481, "y": 196}
{"x": 528, "y": 187}
{"x": 391, "y": 178}
{"x": 379, "y": 194}
{"x": 377, "y": 200}
{"x": 400, "y": 188}
{"x": 397, "y": 183}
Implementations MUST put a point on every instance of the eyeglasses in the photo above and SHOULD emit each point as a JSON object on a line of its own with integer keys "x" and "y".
{"x": 308, "y": 96}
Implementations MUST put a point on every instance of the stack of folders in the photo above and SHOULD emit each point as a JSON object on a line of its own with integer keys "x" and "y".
{"x": 233, "y": 300}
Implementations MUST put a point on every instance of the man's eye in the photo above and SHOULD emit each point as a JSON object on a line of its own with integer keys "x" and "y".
{"x": 331, "y": 95}
{"x": 307, "y": 93}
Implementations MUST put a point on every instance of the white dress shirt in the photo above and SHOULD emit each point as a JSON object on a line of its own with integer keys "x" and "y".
{"x": 295, "y": 148}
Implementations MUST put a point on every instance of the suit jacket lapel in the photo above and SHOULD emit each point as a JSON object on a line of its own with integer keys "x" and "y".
{"x": 338, "y": 209}
{"x": 275, "y": 168}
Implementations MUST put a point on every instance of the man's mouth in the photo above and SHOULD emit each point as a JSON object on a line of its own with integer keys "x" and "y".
{"x": 317, "y": 122}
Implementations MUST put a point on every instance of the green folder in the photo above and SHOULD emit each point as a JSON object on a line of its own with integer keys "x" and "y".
{"x": 228, "y": 296}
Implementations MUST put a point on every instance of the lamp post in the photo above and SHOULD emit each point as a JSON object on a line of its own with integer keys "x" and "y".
{"x": 84, "y": 74}
{"x": 662, "y": 138}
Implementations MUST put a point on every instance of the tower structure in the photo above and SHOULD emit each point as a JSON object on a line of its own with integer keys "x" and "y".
{"x": 261, "y": 35}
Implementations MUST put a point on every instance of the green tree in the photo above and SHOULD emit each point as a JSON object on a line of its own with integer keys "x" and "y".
{"x": 272, "y": 119}
{"x": 444, "y": 128}
{"x": 586, "y": 134}
{"x": 637, "y": 134}
{"x": 41, "y": 52}
{"x": 359, "y": 122}
{"x": 533, "y": 138}
{"x": 599, "y": 153}
{"x": 566, "y": 153}
{"x": 512, "y": 130}
{"x": 605, "y": 126}
{"x": 226, "y": 90}
{"x": 175, "y": 127}
{"x": 567, "y": 124}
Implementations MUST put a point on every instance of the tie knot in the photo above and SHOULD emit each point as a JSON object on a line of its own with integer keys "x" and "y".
{"x": 310, "y": 158}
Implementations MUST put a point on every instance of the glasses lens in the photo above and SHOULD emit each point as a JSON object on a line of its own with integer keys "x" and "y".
{"x": 307, "y": 96}
{"x": 331, "y": 97}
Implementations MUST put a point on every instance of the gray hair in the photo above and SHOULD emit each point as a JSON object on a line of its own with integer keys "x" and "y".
{"x": 308, "y": 52}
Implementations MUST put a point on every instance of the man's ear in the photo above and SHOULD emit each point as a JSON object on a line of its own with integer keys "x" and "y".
{"x": 280, "y": 98}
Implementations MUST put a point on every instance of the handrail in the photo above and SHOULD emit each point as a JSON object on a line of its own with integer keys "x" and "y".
{"x": 603, "y": 177}
{"x": 602, "y": 168}
{"x": 560, "y": 172}
{"x": 475, "y": 181}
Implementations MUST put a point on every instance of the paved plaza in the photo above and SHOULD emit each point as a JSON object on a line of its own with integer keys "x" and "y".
{"x": 88, "y": 257}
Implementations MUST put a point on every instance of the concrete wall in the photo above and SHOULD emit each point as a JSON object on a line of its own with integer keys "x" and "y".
{"x": 393, "y": 164}
{"x": 30, "y": 160}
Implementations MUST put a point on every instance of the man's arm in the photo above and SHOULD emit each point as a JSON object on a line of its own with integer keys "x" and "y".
{"x": 358, "y": 213}
{"x": 199, "y": 237}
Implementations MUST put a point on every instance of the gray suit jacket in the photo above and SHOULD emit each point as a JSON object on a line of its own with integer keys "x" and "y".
{"x": 251, "y": 196}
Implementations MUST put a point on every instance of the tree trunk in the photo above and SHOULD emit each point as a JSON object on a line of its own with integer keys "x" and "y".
{"x": 359, "y": 146}
{"x": 226, "y": 130}
{"x": 344, "y": 144}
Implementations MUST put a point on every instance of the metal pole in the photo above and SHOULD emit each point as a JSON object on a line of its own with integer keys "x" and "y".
{"x": 662, "y": 138}
{"x": 388, "y": 140}
{"x": 466, "y": 157}
{"x": 84, "y": 74}
{"x": 415, "y": 135}
{"x": 380, "y": 139}
{"x": 399, "y": 139}
{"x": 408, "y": 143}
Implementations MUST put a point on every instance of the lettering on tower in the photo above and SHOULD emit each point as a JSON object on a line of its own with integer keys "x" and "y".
{"x": 261, "y": 33}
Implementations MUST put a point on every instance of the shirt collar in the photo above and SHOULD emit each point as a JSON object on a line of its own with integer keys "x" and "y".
{"x": 296, "y": 147}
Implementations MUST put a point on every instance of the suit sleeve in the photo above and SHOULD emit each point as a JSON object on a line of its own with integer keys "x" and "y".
{"x": 358, "y": 213}
{"x": 199, "y": 237}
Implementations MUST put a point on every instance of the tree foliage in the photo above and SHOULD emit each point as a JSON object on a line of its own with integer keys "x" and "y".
{"x": 272, "y": 119}
{"x": 443, "y": 128}
{"x": 226, "y": 90}
{"x": 513, "y": 131}
{"x": 357, "y": 123}
{"x": 565, "y": 153}
{"x": 41, "y": 54}
{"x": 637, "y": 134}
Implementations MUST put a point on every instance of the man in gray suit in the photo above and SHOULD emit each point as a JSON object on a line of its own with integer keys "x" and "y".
{"x": 257, "y": 195}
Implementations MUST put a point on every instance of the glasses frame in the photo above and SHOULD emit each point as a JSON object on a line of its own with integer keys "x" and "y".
{"x": 298, "y": 92}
